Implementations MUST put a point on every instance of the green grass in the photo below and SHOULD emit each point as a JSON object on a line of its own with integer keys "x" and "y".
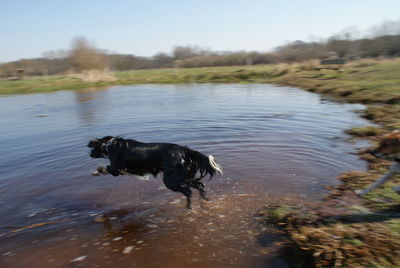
{"x": 364, "y": 131}
{"x": 354, "y": 242}
{"x": 384, "y": 197}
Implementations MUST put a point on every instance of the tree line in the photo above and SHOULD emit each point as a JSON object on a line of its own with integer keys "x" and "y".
{"x": 85, "y": 56}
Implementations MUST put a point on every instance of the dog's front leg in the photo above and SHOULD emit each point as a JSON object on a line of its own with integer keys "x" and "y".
{"x": 114, "y": 168}
{"x": 395, "y": 168}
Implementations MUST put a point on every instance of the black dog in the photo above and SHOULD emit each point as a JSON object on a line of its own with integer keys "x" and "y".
{"x": 179, "y": 164}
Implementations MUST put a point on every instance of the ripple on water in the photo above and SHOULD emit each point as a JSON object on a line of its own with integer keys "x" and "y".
{"x": 273, "y": 143}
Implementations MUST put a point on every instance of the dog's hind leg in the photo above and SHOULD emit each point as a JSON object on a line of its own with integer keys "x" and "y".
{"x": 197, "y": 184}
{"x": 175, "y": 182}
{"x": 188, "y": 193}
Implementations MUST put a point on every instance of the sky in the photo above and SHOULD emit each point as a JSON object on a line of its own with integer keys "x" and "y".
{"x": 30, "y": 27}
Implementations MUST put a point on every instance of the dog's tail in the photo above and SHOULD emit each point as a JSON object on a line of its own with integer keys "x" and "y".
{"x": 198, "y": 162}
{"x": 215, "y": 165}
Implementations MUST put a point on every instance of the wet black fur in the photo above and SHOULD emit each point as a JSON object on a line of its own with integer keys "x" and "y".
{"x": 179, "y": 164}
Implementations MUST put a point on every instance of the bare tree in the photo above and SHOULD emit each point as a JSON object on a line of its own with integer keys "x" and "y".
{"x": 85, "y": 56}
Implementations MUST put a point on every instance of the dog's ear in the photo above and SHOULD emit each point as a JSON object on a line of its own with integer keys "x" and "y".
{"x": 93, "y": 143}
{"x": 106, "y": 138}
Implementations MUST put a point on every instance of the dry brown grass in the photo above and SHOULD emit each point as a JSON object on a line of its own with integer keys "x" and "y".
{"x": 94, "y": 76}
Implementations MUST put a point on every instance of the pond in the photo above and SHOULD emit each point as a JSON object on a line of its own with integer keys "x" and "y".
{"x": 274, "y": 143}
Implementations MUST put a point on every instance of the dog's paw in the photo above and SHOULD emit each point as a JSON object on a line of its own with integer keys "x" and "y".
{"x": 95, "y": 173}
{"x": 102, "y": 170}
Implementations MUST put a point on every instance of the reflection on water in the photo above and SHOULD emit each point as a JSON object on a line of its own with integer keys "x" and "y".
{"x": 273, "y": 143}
{"x": 87, "y": 112}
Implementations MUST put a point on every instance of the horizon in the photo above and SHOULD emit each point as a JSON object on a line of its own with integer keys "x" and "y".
{"x": 145, "y": 29}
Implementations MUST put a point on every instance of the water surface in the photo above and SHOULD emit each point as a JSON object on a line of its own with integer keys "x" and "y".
{"x": 273, "y": 143}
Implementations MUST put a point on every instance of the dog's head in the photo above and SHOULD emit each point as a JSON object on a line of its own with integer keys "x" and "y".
{"x": 98, "y": 147}
{"x": 389, "y": 145}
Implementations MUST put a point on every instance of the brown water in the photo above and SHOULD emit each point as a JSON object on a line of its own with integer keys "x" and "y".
{"x": 273, "y": 143}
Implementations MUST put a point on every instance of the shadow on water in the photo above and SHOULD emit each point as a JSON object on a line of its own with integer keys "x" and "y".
{"x": 369, "y": 217}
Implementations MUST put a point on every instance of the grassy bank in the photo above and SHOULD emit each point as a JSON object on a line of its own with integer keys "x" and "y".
{"x": 234, "y": 74}
{"x": 343, "y": 230}
{"x": 363, "y": 81}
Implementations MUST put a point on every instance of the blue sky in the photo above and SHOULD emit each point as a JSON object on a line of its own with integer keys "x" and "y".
{"x": 30, "y": 27}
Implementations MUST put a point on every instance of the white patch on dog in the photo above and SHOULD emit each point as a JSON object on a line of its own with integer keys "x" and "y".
{"x": 214, "y": 165}
{"x": 142, "y": 178}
